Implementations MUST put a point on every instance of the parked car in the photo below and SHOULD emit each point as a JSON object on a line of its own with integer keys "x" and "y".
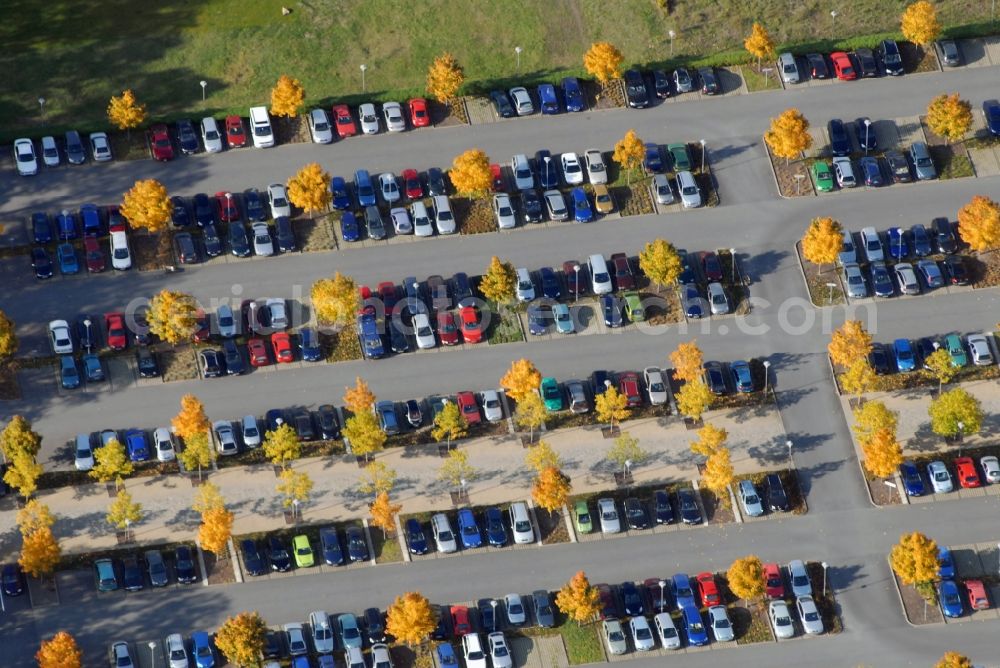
{"x": 892, "y": 61}
{"x": 749, "y": 499}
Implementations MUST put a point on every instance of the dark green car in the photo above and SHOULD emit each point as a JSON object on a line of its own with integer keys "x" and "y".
{"x": 583, "y": 522}
{"x": 822, "y": 176}
{"x": 104, "y": 574}
{"x": 680, "y": 156}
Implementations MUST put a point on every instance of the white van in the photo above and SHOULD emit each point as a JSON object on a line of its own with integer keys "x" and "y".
{"x": 260, "y": 126}
{"x": 525, "y": 287}
{"x": 443, "y": 535}
{"x": 520, "y": 523}
{"x": 600, "y": 276}
{"x": 686, "y": 186}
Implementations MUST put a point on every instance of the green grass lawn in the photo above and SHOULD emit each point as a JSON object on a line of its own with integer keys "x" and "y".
{"x": 583, "y": 643}
{"x": 76, "y": 55}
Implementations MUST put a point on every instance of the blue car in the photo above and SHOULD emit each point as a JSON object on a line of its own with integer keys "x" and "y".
{"x": 696, "y": 632}
{"x": 550, "y": 283}
{"x": 951, "y": 600}
{"x": 309, "y": 345}
{"x": 329, "y": 544}
{"x": 680, "y": 587}
{"x": 496, "y": 533}
{"x": 415, "y": 537}
{"x": 536, "y": 320}
{"x": 349, "y": 227}
{"x": 905, "y": 361}
{"x": 91, "y": 216}
{"x": 66, "y": 224}
{"x": 66, "y": 256}
{"x": 92, "y": 369}
{"x": 341, "y": 196}
{"x": 371, "y": 342}
{"x": 572, "y": 94}
{"x": 692, "y": 301}
{"x": 547, "y": 96}
{"x": 41, "y": 227}
{"x": 912, "y": 482}
{"x": 446, "y": 656}
{"x": 201, "y": 647}
{"x": 135, "y": 444}
{"x": 898, "y": 248}
{"x": 741, "y": 376}
{"x": 582, "y": 211}
{"x": 468, "y": 529}
{"x": 363, "y": 188}
{"x": 302, "y": 662}
{"x": 946, "y": 570}
{"x": 653, "y": 162}
{"x": 69, "y": 375}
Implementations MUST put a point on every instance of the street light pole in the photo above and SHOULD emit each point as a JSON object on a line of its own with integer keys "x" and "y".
{"x": 662, "y": 583}
{"x": 493, "y": 604}
{"x": 41, "y": 105}
{"x": 833, "y": 15}
{"x": 152, "y": 653}
{"x": 732, "y": 255}
{"x": 767, "y": 368}
{"x": 86, "y": 323}
{"x": 464, "y": 493}
{"x": 868, "y": 125}
{"x": 825, "y": 566}
{"x": 128, "y": 526}
{"x": 829, "y": 295}
{"x": 576, "y": 283}
{"x": 702, "y": 156}
{"x": 961, "y": 431}
{"x": 791, "y": 462}
{"x": 672, "y": 34}
{"x": 364, "y": 68}
{"x": 517, "y": 50}
{"x": 628, "y": 465}
{"x": 203, "y": 84}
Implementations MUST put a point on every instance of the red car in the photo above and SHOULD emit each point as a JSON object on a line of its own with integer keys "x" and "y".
{"x": 978, "y": 598}
{"x": 499, "y": 185}
{"x": 843, "y": 67}
{"x": 711, "y": 265}
{"x": 228, "y": 209}
{"x": 366, "y": 306}
{"x": 204, "y": 332}
{"x": 609, "y": 607}
{"x": 388, "y": 294}
{"x": 967, "y": 474}
{"x": 411, "y": 184}
{"x": 774, "y": 585}
{"x": 258, "y": 352}
{"x": 159, "y": 141}
{"x": 117, "y": 334}
{"x": 708, "y": 592}
{"x": 447, "y": 330}
{"x": 95, "y": 256}
{"x": 655, "y": 594}
{"x": 628, "y": 384}
{"x": 470, "y": 409}
{"x": 236, "y": 136}
{"x": 471, "y": 330}
{"x": 346, "y": 127}
{"x": 419, "y": 116}
{"x": 460, "y": 620}
{"x": 282, "y": 344}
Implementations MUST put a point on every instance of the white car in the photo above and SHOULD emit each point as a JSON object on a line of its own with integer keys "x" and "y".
{"x": 262, "y": 243}
{"x": 522, "y": 101}
{"x": 812, "y": 623}
{"x": 718, "y": 619}
{"x": 940, "y": 477}
{"x": 499, "y": 652}
{"x": 352, "y": 657}
{"x": 368, "y": 118}
{"x": 655, "y": 386}
{"x": 980, "y": 349}
{"x": 388, "y": 187}
{"x": 798, "y": 577}
{"x": 393, "y": 114}
{"x": 492, "y": 408}
{"x": 717, "y": 299}
{"x": 423, "y": 332}
{"x": 277, "y": 197}
{"x": 608, "y": 514}
{"x": 107, "y": 436}
{"x": 319, "y": 127}
{"x": 322, "y": 632}
{"x": 163, "y": 441}
{"x": 210, "y": 135}
{"x": 642, "y": 635}
{"x": 844, "y": 172}
{"x": 665, "y": 628}
{"x": 100, "y": 147}
{"x": 472, "y": 651}
{"x": 524, "y": 178}
{"x": 251, "y": 431}
{"x": 688, "y": 189}
{"x": 444, "y": 219}
{"x": 422, "y": 225}
{"x": 121, "y": 256}
{"x": 50, "y": 152}
{"x": 25, "y": 158}
{"x": 503, "y": 211}
{"x": 83, "y": 458}
{"x": 295, "y": 639}
{"x": 614, "y": 636}
{"x": 121, "y": 655}
{"x": 380, "y": 656}
{"x": 572, "y": 170}
{"x": 276, "y": 312}
{"x": 524, "y": 291}
{"x": 991, "y": 468}
{"x": 225, "y": 437}
{"x": 60, "y": 337}
{"x": 556, "y": 205}
{"x": 176, "y": 653}
{"x": 597, "y": 171}
{"x": 781, "y": 620}
{"x": 401, "y": 220}
{"x": 225, "y": 321}
{"x": 517, "y": 615}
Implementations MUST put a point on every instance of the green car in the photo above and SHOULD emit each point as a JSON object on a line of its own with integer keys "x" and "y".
{"x": 822, "y": 176}
{"x": 552, "y": 394}
{"x": 680, "y": 156}
{"x": 633, "y": 306}
{"x": 104, "y": 574}
{"x": 953, "y": 344}
{"x": 303, "y": 551}
{"x": 583, "y": 522}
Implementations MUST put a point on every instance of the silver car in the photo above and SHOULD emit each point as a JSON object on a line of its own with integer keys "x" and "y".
{"x": 225, "y": 437}
{"x": 667, "y": 631}
{"x": 848, "y": 253}
{"x": 614, "y": 636}
{"x": 922, "y": 163}
{"x": 251, "y": 432}
{"x": 177, "y": 656}
{"x": 608, "y": 513}
{"x": 812, "y": 623}
{"x": 991, "y": 468}
{"x": 844, "y": 172}
{"x": 556, "y": 205}
{"x": 980, "y": 349}
{"x": 749, "y": 499}
{"x": 322, "y": 632}
{"x": 688, "y": 188}
{"x": 517, "y": 614}
{"x": 369, "y": 120}
{"x": 210, "y": 135}
{"x": 524, "y": 178}
{"x": 722, "y": 628}
{"x": 642, "y": 635}
{"x": 661, "y": 188}
{"x": 597, "y": 171}
{"x": 788, "y": 68}
{"x": 503, "y": 211}
{"x": 401, "y": 220}
{"x": 499, "y": 652}
{"x": 522, "y": 101}
{"x": 422, "y": 225}
{"x": 940, "y": 477}
{"x": 492, "y": 409}
{"x": 781, "y": 620}
{"x": 655, "y": 387}
{"x": 225, "y": 321}
{"x": 855, "y": 281}
{"x": 797, "y": 575}
{"x": 319, "y": 126}
{"x": 393, "y": 113}
{"x": 262, "y": 243}
{"x": 717, "y": 299}
{"x": 388, "y": 187}
{"x": 907, "y": 279}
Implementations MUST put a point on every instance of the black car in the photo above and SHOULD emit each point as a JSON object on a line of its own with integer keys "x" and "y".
{"x": 879, "y": 359}
{"x": 41, "y": 227}
{"x": 547, "y": 168}
{"x": 925, "y": 347}
{"x": 278, "y": 555}
{"x": 187, "y": 137}
{"x": 88, "y": 332}
{"x": 253, "y": 206}
{"x": 414, "y": 415}
{"x": 635, "y": 90}
{"x": 187, "y": 252}
{"x": 956, "y": 271}
{"x": 635, "y": 514}
{"x": 211, "y": 363}
{"x": 882, "y": 284}
{"x": 944, "y": 236}
{"x": 867, "y": 67}
{"x": 817, "y": 66}
{"x": 550, "y": 283}
{"x": 330, "y": 546}
{"x": 233, "y": 356}
{"x": 327, "y": 422}
{"x": 899, "y": 167}
{"x": 611, "y": 307}
{"x": 41, "y": 262}
{"x": 892, "y": 61}
{"x": 871, "y": 171}
{"x": 204, "y": 212}
{"x": 487, "y": 614}
{"x": 690, "y": 512}
{"x": 921, "y": 239}
{"x": 865, "y": 133}
{"x": 397, "y": 339}
{"x": 239, "y": 241}
{"x": 461, "y": 288}
{"x": 274, "y": 418}
{"x": 252, "y": 560}
{"x": 501, "y": 104}
{"x": 145, "y": 362}
{"x": 599, "y": 382}
{"x": 840, "y": 143}
{"x": 309, "y": 345}
{"x": 541, "y": 601}
{"x": 661, "y": 84}
{"x": 531, "y": 205}
{"x": 715, "y": 378}
{"x": 284, "y": 235}
{"x": 184, "y": 565}
{"x": 662, "y": 509}
{"x": 442, "y": 630}
{"x": 437, "y": 183}
{"x": 631, "y": 598}
{"x": 777, "y": 500}
{"x": 213, "y": 243}
{"x": 709, "y": 81}
{"x": 302, "y": 422}
{"x": 180, "y": 217}
{"x": 357, "y": 548}
{"x": 13, "y": 580}
{"x": 274, "y": 644}
{"x": 75, "y": 153}
{"x": 132, "y": 573}
{"x": 374, "y": 625}
{"x": 416, "y": 539}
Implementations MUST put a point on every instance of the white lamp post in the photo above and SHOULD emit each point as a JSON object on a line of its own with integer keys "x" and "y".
{"x": 829, "y": 295}
{"x": 672, "y": 34}
{"x": 662, "y": 583}
{"x": 791, "y": 462}
{"x": 41, "y": 105}
{"x": 152, "y": 652}
{"x": 128, "y": 526}
{"x": 732, "y": 255}
{"x": 833, "y": 15}
{"x": 961, "y": 431}
{"x": 702, "y": 142}
{"x": 86, "y": 323}
{"x": 493, "y": 604}
{"x": 868, "y": 125}
{"x": 203, "y": 85}
{"x": 628, "y": 465}
{"x": 767, "y": 369}
{"x": 825, "y": 566}
{"x": 462, "y": 481}
{"x": 364, "y": 68}
{"x": 517, "y": 50}
{"x": 576, "y": 283}
{"x": 295, "y": 509}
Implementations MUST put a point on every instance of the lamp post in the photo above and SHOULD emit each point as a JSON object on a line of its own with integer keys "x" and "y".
{"x": 833, "y": 15}
{"x": 829, "y": 295}
{"x": 791, "y": 462}
{"x": 798, "y": 183}
{"x": 672, "y": 34}
{"x": 128, "y": 526}
{"x": 152, "y": 652}
{"x": 961, "y": 431}
{"x": 547, "y": 159}
{"x": 625, "y": 470}
{"x": 86, "y": 323}
{"x": 825, "y": 566}
{"x": 41, "y": 105}
{"x": 203, "y": 85}
{"x": 767, "y": 368}
{"x": 517, "y": 50}
{"x": 576, "y": 283}
{"x": 702, "y": 156}
{"x": 363, "y": 69}
{"x": 493, "y": 604}
{"x": 295, "y": 509}
{"x": 662, "y": 583}
{"x": 732, "y": 255}
{"x": 868, "y": 125}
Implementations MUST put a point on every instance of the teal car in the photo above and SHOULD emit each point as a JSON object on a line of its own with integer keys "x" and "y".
{"x": 583, "y": 522}
{"x": 822, "y": 176}
{"x": 551, "y": 394}
{"x": 953, "y": 344}
{"x": 680, "y": 157}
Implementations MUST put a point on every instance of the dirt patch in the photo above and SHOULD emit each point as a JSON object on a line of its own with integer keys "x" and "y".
{"x": 10, "y": 389}
{"x": 609, "y": 95}
{"x": 663, "y": 308}
{"x": 179, "y": 364}
{"x": 917, "y": 609}
{"x": 219, "y": 571}
{"x": 340, "y": 346}
{"x": 317, "y": 234}
{"x": 785, "y": 172}
{"x": 951, "y": 160}
{"x": 151, "y": 252}
{"x": 882, "y": 494}
{"x": 552, "y": 526}
{"x": 291, "y": 130}
{"x": 985, "y": 269}
{"x": 473, "y": 216}
{"x": 917, "y": 59}
{"x": 445, "y": 115}
{"x": 633, "y": 199}
{"x": 129, "y": 145}
{"x": 817, "y": 277}
{"x": 716, "y": 511}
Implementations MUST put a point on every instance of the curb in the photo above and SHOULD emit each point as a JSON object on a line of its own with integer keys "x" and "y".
{"x": 402, "y": 539}
{"x": 201, "y": 564}
{"x": 737, "y": 513}
{"x": 368, "y": 541}
{"x": 237, "y": 571}
{"x": 534, "y": 519}
{"x": 899, "y": 595}
{"x": 569, "y": 524}
{"x": 701, "y": 505}
{"x": 774, "y": 174}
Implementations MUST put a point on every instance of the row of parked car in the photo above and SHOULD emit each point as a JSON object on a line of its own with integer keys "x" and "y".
{"x": 27, "y": 157}
{"x": 893, "y": 167}
{"x": 92, "y": 223}
{"x": 862, "y": 63}
{"x": 941, "y": 478}
{"x": 904, "y": 355}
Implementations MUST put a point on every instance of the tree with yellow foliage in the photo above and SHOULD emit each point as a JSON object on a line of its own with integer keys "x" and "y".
{"x": 197, "y": 453}
{"x": 629, "y": 154}
{"x": 360, "y": 398}
{"x": 551, "y": 489}
{"x": 718, "y": 474}
{"x": 823, "y": 241}
{"x": 541, "y": 456}
{"x": 578, "y": 599}
{"x": 59, "y": 651}
{"x": 310, "y": 190}
{"x": 241, "y": 638}
{"x": 8, "y": 338}
{"x": 979, "y": 223}
{"x": 444, "y": 78}
{"x": 125, "y": 112}
{"x": 378, "y": 478}
{"x": 456, "y": 468}
{"x": 660, "y": 262}
{"x": 450, "y": 424}
{"x": 789, "y": 135}
{"x": 287, "y": 97}
{"x": 694, "y": 398}
{"x": 364, "y": 434}
{"x": 34, "y": 515}
{"x": 883, "y": 453}
{"x": 859, "y": 378}
{"x": 470, "y": 174}
{"x": 295, "y": 487}
{"x": 499, "y": 283}
{"x": 949, "y": 116}
{"x": 111, "y": 463}
{"x": 281, "y": 446}
{"x": 335, "y": 300}
{"x": 215, "y": 530}
{"x": 22, "y": 474}
{"x": 915, "y": 561}
{"x": 611, "y": 406}
{"x": 710, "y": 439}
{"x": 530, "y": 413}
{"x": 522, "y": 379}
{"x": 18, "y": 436}
{"x": 954, "y": 660}
{"x": 124, "y": 512}
{"x": 746, "y": 578}
{"x": 147, "y": 205}
{"x": 384, "y": 512}
{"x": 603, "y": 61}
{"x": 759, "y": 43}
{"x": 626, "y": 449}
{"x": 850, "y": 343}
{"x": 688, "y": 362}
{"x": 207, "y": 497}
{"x": 939, "y": 367}
{"x": 919, "y": 23}
{"x": 953, "y": 408}
{"x": 40, "y": 553}
{"x": 191, "y": 419}
{"x": 873, "y": 416}
{"x": 410, "y": 618}
{"x": 173, "y": 316}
